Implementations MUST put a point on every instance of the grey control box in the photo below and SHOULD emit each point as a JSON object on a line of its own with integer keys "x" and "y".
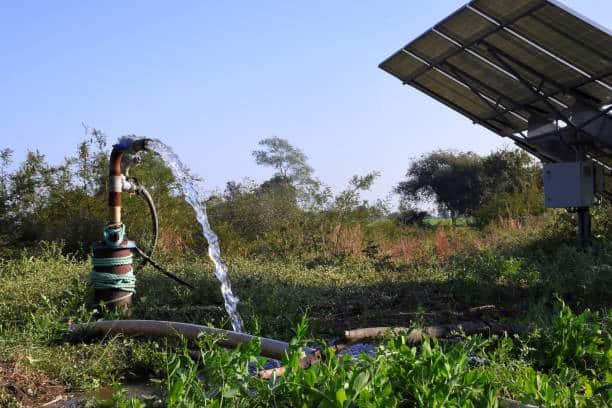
{"x": 569, "y": 184}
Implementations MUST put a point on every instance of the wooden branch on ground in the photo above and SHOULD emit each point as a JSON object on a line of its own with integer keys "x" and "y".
{"x": 314, "y": 357}
{"x": 414, "y": 336}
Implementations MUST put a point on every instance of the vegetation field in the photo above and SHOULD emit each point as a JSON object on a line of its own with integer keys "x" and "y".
{"x": 564, "y": 360}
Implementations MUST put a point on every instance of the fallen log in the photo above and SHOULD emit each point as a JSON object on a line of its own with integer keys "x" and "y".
{"x": 415, "y": 336}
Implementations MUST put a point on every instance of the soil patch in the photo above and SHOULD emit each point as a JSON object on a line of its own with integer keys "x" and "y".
{"x": 23, "y": 385}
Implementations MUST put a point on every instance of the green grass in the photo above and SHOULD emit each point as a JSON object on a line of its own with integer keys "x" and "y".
{"x": 566, "y": 361}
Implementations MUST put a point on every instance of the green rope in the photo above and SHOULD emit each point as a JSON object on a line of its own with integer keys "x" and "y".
{"x": 124, "y": 260}
{"x": 103, "y": 280}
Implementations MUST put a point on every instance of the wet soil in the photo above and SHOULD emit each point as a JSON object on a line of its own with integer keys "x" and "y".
{"x": 22, "y": 386}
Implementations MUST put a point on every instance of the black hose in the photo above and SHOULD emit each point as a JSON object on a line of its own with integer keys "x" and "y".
{"x": 146, "y": 257}
{"x": 143, "y": 192}
{"x": 162, "y": 269}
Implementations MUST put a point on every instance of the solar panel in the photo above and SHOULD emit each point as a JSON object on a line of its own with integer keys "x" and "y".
{"x": 531, "y": 70}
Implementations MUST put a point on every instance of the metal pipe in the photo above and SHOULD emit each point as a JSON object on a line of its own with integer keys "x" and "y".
{"x": 126, "y": 144}
{"x": 583, "y": 229}
{"x": 114, "y": 190}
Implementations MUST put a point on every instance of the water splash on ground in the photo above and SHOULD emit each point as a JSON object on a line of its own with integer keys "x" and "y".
{"x": 193, "y": 191}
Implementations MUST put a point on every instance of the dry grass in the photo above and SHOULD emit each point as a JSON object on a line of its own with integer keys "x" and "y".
{"x": 443, "y": 242}
{"x": 344, "y": 240}
{"x": 172, "y": 239}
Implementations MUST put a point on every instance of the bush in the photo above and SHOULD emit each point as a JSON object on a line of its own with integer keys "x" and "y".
{"x": 579, "y": 341}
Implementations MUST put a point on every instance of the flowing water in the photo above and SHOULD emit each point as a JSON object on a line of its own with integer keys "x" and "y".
{"x": 193, "y": 191}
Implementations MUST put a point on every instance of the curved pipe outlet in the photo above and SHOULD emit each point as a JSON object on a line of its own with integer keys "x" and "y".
{"x": 130, "y": 144}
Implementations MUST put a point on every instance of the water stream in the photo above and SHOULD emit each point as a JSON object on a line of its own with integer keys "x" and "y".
{"x": 193, "y": 191}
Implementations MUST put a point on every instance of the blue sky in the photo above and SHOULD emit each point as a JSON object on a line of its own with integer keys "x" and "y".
{"x": 213, "y": 78}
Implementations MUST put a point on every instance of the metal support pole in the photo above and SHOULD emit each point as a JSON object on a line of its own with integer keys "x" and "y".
{"x": 584, "y": 226}
{"x": 583, "y": 214}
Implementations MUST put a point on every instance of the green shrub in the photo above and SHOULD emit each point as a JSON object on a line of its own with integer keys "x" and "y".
{"x": 579, "y": 341}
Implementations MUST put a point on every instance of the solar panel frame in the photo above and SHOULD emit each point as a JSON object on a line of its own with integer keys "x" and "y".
{"x": 394, "y": 67}
{"x": 454, "y": 92}
{"x": 583, "y": 55}
{"x": 547, "y": 66}
{"x": 588, "y": 24}
{"x": 511, "y": 71}
{"x": 470, "y": 65}
{"x": 505, "y": 11}
{"x": 468, "y": 44}
{"x": 470, "y": 25}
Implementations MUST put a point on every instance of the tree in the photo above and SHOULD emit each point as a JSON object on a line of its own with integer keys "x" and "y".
{"x": 513, "y": 186}
{"x": 289, "y": 162}
{"x": 453, "y": 180}
{"x": 292, "y": 172}
{"x": 5, "y": 217}
{"x": 510, "y": 171}
{"x": 506, "y": 183}
{"x": 350, "y": 199}
{"x": 91, "y": 162}
{"x": 408, "y": 214}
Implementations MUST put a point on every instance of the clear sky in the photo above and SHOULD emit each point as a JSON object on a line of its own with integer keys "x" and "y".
{"x": 212, "y": 78}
